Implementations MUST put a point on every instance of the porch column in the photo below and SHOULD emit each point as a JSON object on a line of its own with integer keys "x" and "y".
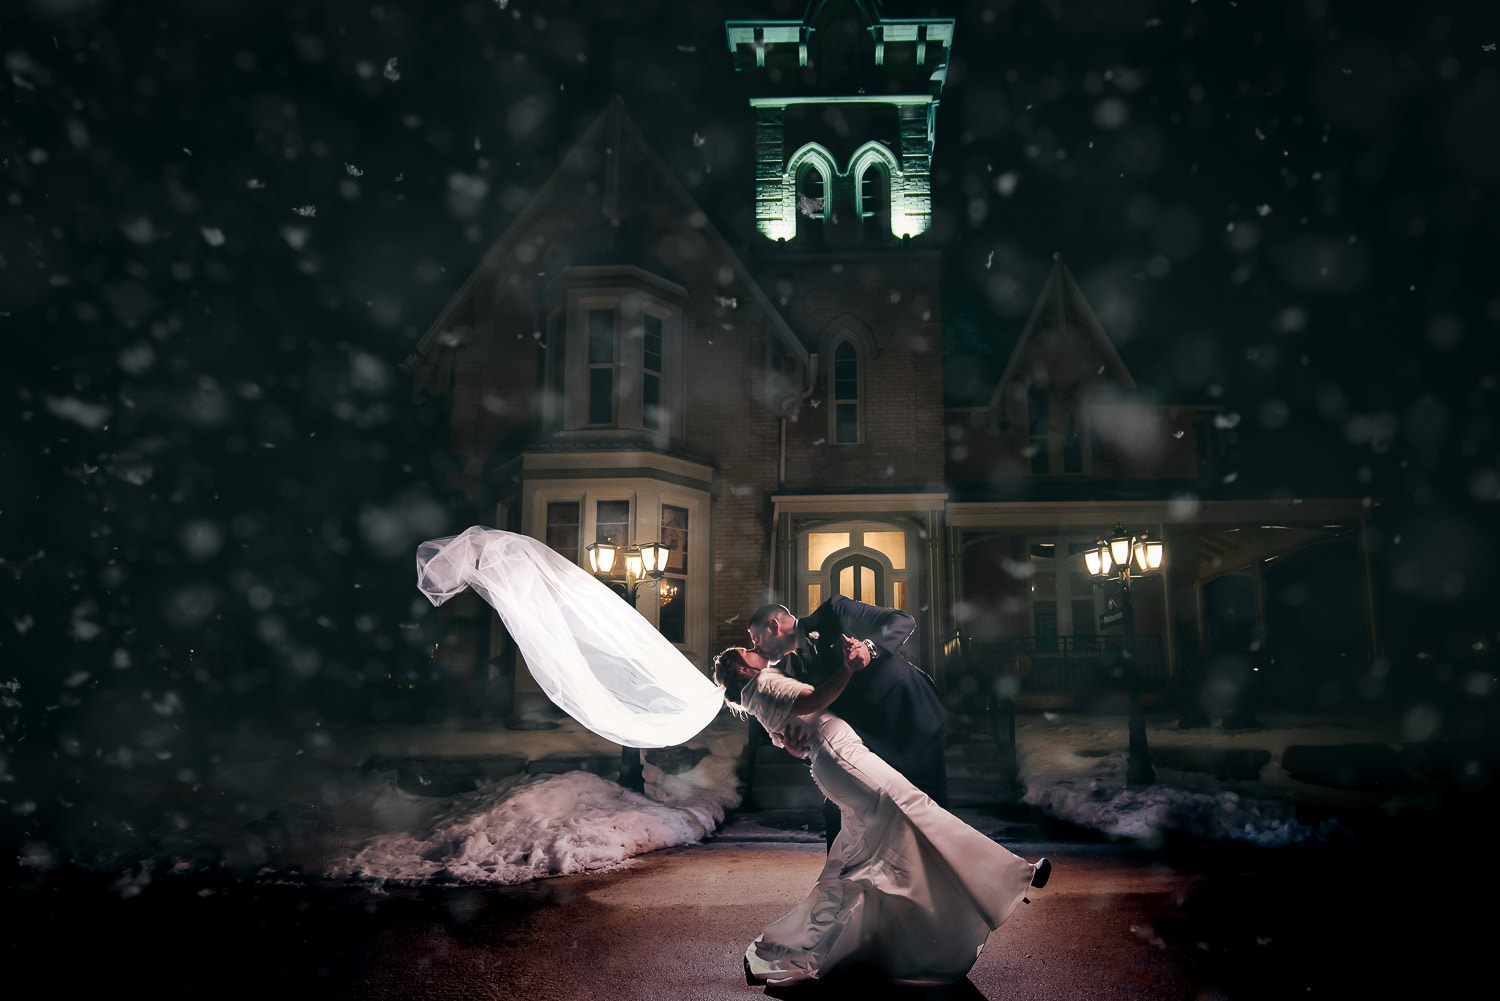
{"x": 1377, "y": 651}
{"x": 935, "y": 555}
{"x": 1184, "y": 623}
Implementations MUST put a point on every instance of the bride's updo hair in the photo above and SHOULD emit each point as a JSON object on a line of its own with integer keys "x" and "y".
{"x": 727, "y": 664}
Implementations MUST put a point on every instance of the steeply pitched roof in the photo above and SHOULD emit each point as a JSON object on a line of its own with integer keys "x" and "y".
{"x": 611, "y": 181}
{"x": 1061, "y": 305}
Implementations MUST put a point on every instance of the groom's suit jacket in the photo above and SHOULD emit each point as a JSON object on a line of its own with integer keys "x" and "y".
{"x": 893, "y": 705}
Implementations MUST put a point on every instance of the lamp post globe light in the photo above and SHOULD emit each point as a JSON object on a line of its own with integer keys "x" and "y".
{"x": 1118, "y": 559}
{"x": 627, "y": 569}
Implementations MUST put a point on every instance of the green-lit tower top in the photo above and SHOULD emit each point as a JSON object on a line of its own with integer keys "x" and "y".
{"x": 846, "y": 107}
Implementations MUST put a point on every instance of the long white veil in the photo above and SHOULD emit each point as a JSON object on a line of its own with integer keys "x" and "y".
{"x": 591, "y": 653}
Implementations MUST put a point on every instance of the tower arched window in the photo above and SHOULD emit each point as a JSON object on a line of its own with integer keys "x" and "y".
{"x": 875, "y": 202}
{"x": 812, "y": 202}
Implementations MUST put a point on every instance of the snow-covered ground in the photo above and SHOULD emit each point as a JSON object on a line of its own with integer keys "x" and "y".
{"x": 370, "y": 805}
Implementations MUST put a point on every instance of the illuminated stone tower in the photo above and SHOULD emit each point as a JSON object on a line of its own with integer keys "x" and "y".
{"x": 845, "y": 110}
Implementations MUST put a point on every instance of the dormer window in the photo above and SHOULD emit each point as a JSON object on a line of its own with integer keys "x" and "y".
{"x": 1039, "y": 421}
{"x": 1055, "y": 437}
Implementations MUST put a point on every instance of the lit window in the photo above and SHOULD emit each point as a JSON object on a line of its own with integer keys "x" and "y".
{"x": 612, "y": 522}
{"x": 891, "y": 545}
{"x": 821, "y": 545}
{"x": 672, "y": 617}
{"x": 859, "y": 579}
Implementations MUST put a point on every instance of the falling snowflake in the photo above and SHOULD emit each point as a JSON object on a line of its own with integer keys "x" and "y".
{"x": 391, "y": 73}
{"x": 213, "y": 236}
{"x": 307, "y": 210}
{"x": 255, "y": 184}
{"x": 353, "y": 170}
{"x": 728, "y": 302}
{"x": 810, "y": 207}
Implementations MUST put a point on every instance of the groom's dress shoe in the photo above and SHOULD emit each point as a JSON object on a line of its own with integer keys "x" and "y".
{"x": 1043, "y": 873}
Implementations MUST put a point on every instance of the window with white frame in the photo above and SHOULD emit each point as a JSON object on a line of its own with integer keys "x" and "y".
{"x": 631, "y": 512}
{"x": 866, "y": 561}
{"x": 613, "y": 366}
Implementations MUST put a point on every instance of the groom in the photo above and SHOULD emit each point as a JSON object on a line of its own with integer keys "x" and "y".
{"x": 892, "y": 704}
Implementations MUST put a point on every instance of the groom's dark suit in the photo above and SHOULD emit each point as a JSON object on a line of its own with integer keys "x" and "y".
{"x": 893, "y": 705}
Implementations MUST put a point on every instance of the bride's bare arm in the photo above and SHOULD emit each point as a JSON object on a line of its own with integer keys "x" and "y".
{"x": 814, "y": 700}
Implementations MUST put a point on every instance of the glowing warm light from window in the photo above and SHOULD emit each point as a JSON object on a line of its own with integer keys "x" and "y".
{"x": 821, "y": 545}
{"x": 891, "y": 545}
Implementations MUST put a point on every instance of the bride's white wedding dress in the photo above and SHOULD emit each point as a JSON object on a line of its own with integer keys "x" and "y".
{"x": 908, "y": 889}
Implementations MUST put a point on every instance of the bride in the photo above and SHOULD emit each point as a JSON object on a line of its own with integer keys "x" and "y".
{"x": 908, "y": 890}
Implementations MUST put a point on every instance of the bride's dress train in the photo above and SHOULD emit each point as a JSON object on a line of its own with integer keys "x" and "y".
{"x": 909, "y": 890}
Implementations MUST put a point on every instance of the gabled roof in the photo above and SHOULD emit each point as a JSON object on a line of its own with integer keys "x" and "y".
{"x": 605, "y": 154}
{"x": 1061, "y": 305}
{"x": 863, "y": 8}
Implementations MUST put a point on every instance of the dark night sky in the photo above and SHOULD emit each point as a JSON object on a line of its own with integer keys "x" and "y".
{"x": 227, "y": 221}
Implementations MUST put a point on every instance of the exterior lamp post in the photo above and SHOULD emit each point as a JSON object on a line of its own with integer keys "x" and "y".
{"x": 1119, "y": 558}
{"x": 638, "y": 566}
